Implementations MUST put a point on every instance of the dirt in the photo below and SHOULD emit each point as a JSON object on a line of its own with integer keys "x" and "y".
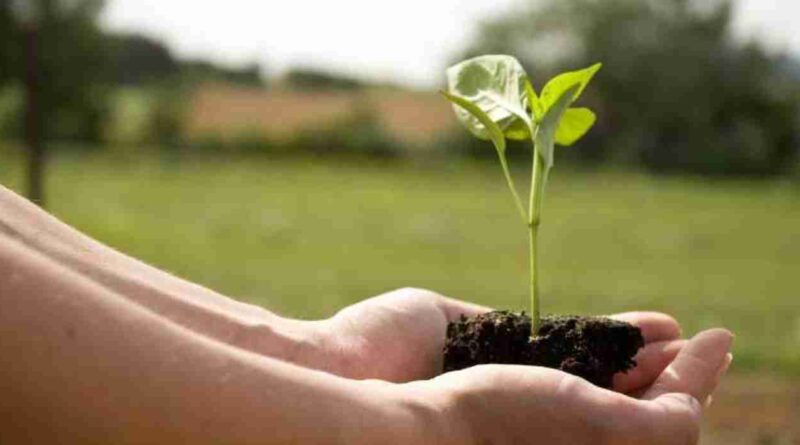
{"x": 594, "y": 348}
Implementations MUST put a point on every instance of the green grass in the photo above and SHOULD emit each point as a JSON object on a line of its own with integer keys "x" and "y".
{"x": 306, "y": 237}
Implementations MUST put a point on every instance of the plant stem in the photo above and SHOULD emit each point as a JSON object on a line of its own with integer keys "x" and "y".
{"x": 534, "y": 285}
{"x": 510, "y": 182}
{"x": 535, "y": 206}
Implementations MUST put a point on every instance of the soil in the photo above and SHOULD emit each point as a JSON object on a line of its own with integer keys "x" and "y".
{"x": 594, "y": 348}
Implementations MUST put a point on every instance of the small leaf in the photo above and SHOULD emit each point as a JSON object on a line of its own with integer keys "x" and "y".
{"x": 518, "y": 131}
{"x": 556, "y": 86}
{"x": 495, "y": 84}
{"x": 574, "y": 124}
{"x": 533, "y": 102}
{"x": 488, "y": 129}
{"x": 545, "y": 134}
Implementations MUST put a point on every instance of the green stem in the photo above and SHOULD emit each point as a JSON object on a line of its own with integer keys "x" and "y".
{"x": 535, "y": 206}
{"x": 510, "y": 182}
{"x": 535, "y": 320}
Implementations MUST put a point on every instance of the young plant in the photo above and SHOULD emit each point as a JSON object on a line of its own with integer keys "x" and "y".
{"x": 493, "y": 98}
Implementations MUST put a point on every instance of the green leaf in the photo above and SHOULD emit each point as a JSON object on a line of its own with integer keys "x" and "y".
{"x": 573, "y": 125}
{"x": 495, "y": 84}
{"x": 546, "y": 131}
{"x": 496, "y": 136}
{"x": 518, "y": 131}
{"x": 533, "y": 102}
{"x": 556, "y": 86}
{"x": 488, "y": 127}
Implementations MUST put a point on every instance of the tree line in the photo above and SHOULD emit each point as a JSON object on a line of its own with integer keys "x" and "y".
{"x": 678, "y": 91}
{"x": 80, "y": 64}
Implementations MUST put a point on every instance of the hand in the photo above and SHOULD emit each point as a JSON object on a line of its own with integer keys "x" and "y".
{"x": 399, "y": 336}
{"x": 502, "y": 404}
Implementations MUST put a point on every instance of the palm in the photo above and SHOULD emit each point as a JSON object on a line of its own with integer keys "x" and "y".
{"x": 557, "y": 408}
{"x": 399, "y": 337}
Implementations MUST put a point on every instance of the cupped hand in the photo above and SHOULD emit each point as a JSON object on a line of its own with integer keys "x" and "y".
{"x": 399, "y": 336}
{"x": 502, "y": 404}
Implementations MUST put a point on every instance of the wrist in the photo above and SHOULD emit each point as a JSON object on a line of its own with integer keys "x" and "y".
{"x": 407, "y": 413}
{"x": 327, "y": 348}
{"x": 310, "y": 344}
{"x": 298, "y": 342}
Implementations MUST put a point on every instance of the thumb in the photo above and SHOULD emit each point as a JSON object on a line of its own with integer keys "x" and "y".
{"x": 695, "y": 371}
{"x": 675, "y": 399}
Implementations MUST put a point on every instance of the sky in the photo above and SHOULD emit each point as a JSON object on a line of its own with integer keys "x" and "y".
{"x": 407, "y": 42}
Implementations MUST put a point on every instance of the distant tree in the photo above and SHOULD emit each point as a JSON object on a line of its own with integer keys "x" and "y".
{"x": 202, "y": 70}
{"x": 72, "y": 62}
{"x": 55, "y": 50}
{"x": 141, "y": 60}
{"x": 76, "y": 59}
{"x": 9, "y": 41}
{"x": 676, "y": 92}
{"x": 138, "y": 59}
{"x": 313, "y": 79}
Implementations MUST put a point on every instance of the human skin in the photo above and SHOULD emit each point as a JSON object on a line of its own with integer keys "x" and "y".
{"x": 107, "y": 349}
{"x": 397, "y": 336}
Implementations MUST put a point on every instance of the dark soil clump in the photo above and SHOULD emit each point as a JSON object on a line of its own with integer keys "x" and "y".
{"x": 594, "y": 348}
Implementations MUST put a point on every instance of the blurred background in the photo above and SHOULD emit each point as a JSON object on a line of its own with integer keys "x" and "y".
{"x": 297, "y": 155}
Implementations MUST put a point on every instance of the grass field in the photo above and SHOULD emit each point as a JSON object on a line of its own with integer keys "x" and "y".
{"x": 306, "y": 237}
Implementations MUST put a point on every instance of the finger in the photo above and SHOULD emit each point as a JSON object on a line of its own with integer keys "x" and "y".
{"x": 650, "y": 363}
{"x": 695, "y": 368}
{"x": 726, "y": 364}
{"x": 454, "y": 309}
{"x": 629, "y": 420}
{"x": 655, "y": 326}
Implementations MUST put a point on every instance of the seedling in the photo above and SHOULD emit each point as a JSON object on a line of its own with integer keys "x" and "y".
{"x": 494, "y": 99}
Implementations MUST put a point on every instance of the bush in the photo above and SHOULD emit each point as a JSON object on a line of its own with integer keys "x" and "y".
{"x": 359, "y": 134}
{"x": 11, "y": 112}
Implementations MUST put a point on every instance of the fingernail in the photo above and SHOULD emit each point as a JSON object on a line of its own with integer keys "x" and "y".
{"x": 726, "y": 364}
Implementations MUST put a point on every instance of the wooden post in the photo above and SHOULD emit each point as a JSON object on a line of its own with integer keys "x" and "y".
{"x": 34, "y": 139}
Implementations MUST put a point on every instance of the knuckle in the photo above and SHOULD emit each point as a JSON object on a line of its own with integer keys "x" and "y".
{"x": 420, "y": 292}
{"x": 683, "y": 419}
{"x": 420, "y": 295}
